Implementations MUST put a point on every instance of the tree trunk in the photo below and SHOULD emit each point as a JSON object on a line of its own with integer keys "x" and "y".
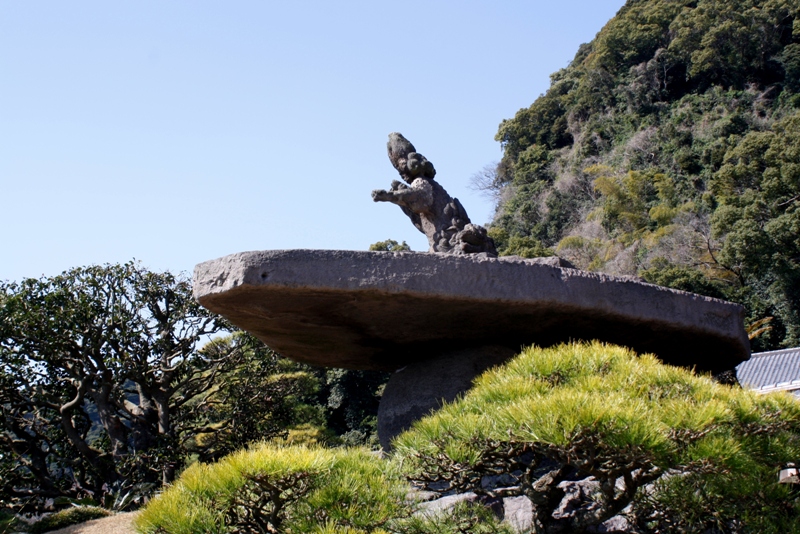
{"x": 161, "y": 400}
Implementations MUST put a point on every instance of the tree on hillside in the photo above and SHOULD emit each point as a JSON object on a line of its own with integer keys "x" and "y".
{"x": 667, "y": 150}
{"x": 390, "y": 245}
{"x": 104, "y": 384}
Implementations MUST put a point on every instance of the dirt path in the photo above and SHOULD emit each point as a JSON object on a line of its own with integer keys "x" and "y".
{"x": 115, "y": 524}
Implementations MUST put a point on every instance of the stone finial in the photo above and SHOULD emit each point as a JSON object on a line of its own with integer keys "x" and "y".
{"x": 433, "y": 212}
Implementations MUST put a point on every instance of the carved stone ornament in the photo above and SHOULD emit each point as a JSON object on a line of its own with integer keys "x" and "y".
{"x": 433, "y": 212}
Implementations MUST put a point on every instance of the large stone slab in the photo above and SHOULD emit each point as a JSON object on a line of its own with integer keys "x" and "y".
{"x": 383, "y": 310}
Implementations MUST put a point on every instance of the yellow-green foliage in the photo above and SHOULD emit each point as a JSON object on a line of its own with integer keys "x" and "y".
{"x": 549, "y": 395}
{"x": 727, "y": 443}
{"x": 676, "y": 419}
{"x": 308, "y": 434}
{"x": 352, "y": 491}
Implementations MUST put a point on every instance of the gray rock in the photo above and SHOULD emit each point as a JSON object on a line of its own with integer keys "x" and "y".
{"x": 416, "y": 496}
{"x": 419, "y": 388}
{"x": 386, "y": 310}
{"x": 443, "y": 505}
{"x": 577, "y": 499}
{"x": 616, "y": 525}
{"x": 518, "y": 513}
{"x": 505, "y": 480}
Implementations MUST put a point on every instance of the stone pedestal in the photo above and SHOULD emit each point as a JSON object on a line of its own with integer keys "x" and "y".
{"x": 440, "y": 319}
{"x": 417, "y": 389}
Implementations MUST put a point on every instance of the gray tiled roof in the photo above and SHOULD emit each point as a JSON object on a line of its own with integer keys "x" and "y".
{"x": 777, "y": 369}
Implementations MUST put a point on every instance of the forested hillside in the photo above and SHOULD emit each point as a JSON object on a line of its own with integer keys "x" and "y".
{"x": 669, "y": 149}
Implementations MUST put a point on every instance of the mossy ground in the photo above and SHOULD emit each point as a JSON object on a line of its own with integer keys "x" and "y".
{"x": 65, "y": 518}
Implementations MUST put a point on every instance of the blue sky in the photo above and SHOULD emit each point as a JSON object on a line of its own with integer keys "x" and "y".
{"x": 177, "y": 132}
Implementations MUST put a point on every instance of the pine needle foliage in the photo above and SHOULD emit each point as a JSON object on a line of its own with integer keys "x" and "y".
{"x": 473, "y": 518}
{"x": 590, "y": 410}
{"x": 669, "y": 450}
{"x": 274, "y": 488}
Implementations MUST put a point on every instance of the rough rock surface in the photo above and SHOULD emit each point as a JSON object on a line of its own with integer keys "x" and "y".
{"x": 419, "y": 388}
{"x": 518, "y": 513}
{"x": 443, "y": 504}
{"x": 433, "y": 212}
{"x": 385, "y": 310}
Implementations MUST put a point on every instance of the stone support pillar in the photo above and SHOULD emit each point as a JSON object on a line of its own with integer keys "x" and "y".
{"x": 417, "y": 389}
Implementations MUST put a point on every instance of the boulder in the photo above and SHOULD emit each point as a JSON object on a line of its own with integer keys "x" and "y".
{"x": 386, "y": 310}
{"x": 443, "y": 505}
{"x": 439, "y": 320}
{"x": 518, "y": 513}
{"x": 419, "y": 388}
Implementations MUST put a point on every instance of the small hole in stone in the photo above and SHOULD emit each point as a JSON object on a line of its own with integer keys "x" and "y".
{"x": 264, "y": 275}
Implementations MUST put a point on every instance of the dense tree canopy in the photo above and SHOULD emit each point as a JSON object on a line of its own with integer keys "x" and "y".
{"x": 668, "y": 149}
{"x": 96, "y": 365}
{"x": 113, "y": 379}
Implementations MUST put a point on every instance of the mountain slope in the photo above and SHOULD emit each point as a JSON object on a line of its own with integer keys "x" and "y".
{"x": 669, "y": 149}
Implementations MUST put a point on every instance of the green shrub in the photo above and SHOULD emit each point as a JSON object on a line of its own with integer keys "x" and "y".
{"x": 67, "y": 517}
{"x": 296, "y": 488}
{"x": 8, "y": 523}
{"x": 464, "y": 517}
{"x": 581, "y": 410}
{"x": 674, "y": 451}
